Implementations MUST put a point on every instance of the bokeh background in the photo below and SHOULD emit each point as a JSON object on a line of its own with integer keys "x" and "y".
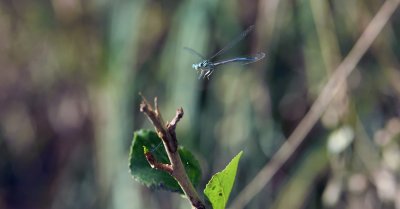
{"x": 71, "y": 71}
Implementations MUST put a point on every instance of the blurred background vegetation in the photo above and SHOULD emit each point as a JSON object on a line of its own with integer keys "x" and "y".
{"x": 70, "y": 73}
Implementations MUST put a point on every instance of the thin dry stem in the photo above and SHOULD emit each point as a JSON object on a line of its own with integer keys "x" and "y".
{"x": 168, "y": 136}
{"x": 157, "y": 165}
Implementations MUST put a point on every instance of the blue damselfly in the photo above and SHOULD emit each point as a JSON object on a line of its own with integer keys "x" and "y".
{"x": 206, "y": 67}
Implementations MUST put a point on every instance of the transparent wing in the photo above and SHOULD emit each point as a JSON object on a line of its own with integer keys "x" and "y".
{"x": 233, "y": 42}
{"x": 194, "y": 52}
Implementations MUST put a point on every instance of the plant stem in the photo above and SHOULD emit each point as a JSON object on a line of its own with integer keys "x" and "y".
{"x": 166, "y": 131}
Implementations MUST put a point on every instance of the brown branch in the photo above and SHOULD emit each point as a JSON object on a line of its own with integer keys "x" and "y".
{"x": 156, "y": 119}
{"x": 167, "y": 134}
{"x": 155, "y": 164}
{"x": 172, "y": 125}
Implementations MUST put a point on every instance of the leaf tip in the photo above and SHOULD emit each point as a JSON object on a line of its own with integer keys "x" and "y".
{"x": 145, "y": 150}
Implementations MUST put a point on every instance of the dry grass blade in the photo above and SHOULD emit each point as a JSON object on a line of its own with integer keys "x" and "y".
{"x": 329, "y": 91}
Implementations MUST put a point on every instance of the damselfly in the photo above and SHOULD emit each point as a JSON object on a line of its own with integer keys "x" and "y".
{"x": 207, "y": 66}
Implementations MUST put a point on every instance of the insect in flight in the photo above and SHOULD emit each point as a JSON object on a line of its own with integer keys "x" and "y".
{"x": 207, "y": 66}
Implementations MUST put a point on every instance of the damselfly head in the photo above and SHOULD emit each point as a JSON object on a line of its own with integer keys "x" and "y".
{"x": 195, "y": 66}
{"x": 200, "y": 65}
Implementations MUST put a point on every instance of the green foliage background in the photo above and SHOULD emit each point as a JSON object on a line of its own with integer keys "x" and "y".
{"x": 70, "y": 73}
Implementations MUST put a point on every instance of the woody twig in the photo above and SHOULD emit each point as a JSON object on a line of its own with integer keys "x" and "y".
{"x": 166, "y": 132}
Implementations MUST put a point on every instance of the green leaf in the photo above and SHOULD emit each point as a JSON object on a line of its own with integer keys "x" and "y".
{"x": 220, "y": 186}
{"x": 146, "y": 140}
